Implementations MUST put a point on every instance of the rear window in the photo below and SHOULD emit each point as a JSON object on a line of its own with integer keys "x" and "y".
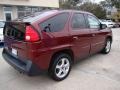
{"x": 15, "y": 31}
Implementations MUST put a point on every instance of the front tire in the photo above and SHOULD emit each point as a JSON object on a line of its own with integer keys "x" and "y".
{"x": 107, "y": 47}
{"x": 61, "y": 67}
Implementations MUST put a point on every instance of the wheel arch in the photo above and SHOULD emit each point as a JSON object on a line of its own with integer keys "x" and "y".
{"x": 66, "y": 51}
{"x": 110, "y": 37}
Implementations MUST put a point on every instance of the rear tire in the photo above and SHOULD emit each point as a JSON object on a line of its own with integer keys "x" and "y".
{"x": 61, "y": 67}
{"x": 107, "y": 47}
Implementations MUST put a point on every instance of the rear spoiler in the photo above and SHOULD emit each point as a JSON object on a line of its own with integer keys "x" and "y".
{"x": 17, "y": 22}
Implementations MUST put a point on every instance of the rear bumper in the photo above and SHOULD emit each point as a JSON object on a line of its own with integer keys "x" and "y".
{"x": 25, "y": 67}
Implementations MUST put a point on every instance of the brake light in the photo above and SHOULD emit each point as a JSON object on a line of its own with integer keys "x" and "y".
{"x": 31, "y": 35}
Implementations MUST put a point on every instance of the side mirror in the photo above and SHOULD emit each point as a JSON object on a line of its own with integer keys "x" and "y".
{"x": 103, "y": 26}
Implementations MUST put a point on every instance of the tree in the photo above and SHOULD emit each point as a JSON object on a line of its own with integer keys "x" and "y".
{"x": 116, "y": 3}
{"x": 94, "y": 8}
{"x": 85, "y": 5}
{"x": 111, "y": 3}
{"x": 103, "y": 3}
{"x": 70, "y": 4}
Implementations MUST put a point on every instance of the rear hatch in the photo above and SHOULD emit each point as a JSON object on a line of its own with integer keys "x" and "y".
{"x": 19, "y": 35}
{"x": 14, "y": 39}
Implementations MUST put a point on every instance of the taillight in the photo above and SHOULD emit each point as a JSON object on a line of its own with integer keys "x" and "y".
{"x": 31, "y": 35}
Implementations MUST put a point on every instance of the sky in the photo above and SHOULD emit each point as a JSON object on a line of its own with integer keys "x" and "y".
{"x": 96, "y": 1}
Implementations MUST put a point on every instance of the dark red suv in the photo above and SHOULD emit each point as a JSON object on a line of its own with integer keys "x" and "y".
{"x": 53, "y": 40}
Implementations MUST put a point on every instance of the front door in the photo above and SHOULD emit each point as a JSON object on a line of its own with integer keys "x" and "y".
{"x": 97, "y": 36}
{"x": 80, "y": 36}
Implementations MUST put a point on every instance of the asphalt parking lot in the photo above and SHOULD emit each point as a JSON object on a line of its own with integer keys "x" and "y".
{"x": 98, "y": 72}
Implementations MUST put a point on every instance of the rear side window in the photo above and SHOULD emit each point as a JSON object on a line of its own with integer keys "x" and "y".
{"x": 78, "y": 21}
{"x": 56, "y": 23}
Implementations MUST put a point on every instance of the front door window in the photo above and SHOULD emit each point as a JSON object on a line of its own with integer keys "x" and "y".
{"x": 93, "y": 22}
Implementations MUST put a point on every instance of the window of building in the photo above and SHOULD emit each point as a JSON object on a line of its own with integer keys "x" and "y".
{"x": 23, "y": 11}
{"x": 7, "y": 13}
{"x": 78, "y": 21}
{"x": 8, "y": 16}
{"x": 55, "y": 23}
{"x": 26, "y": 11}
{"x": 34, "y": 9}
{"x": 7, "y": 8}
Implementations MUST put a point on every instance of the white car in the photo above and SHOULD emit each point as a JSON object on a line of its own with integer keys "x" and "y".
{"x": 108, "y": 23}
{"x": 2, "y": 23}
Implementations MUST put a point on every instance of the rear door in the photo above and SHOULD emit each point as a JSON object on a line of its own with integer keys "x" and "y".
{"x": 55, "y": 31}
{"x": 80, "y": 36}
{"x": 14, "y": 40}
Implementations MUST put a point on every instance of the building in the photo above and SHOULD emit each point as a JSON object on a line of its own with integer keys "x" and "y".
{"x": 12, "y": 9}
{"x": 110, "y": 11}
{"x": 116, "y": 16}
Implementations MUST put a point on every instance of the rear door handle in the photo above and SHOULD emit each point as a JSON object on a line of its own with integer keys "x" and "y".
{"x": 75, "y": 37}
{"x": 93, "y": 35}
